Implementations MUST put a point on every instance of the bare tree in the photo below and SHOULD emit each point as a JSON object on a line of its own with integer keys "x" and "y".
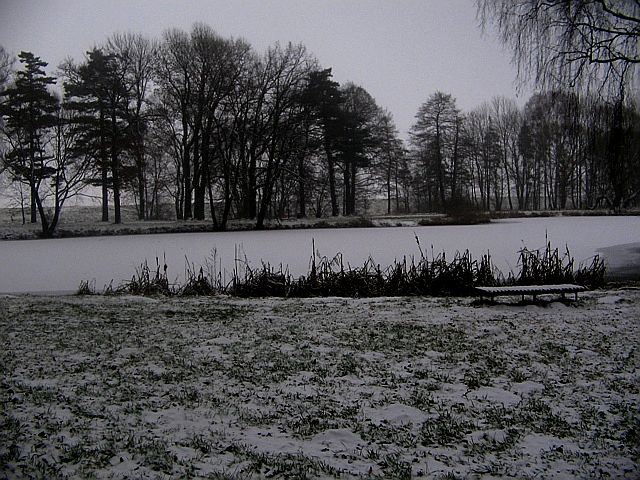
{"x": 436, "y": 135}
{"x": 485, "y": 156}
{"x": 506, "y": 121}
{"x": 197, "y": 74}
{"x": 588, "y": 44}
{"x": 6, "y": 65}
{"x": 390, "y": 155}
{"x": 176, "y": 92}
{"x": 135, "y": 54}
{"x": 287, "y": 71}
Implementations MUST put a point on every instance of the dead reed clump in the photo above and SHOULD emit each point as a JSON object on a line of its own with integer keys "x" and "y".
{"x": 331, "y": 277}
{"x": 87, "y": 288}
{"x": 144, "y": 282}
{"x": 198, "y": 284}
{"x": 435, "y": 276}
{"x": 549, "y": 267}
{"x": 262, "y": 282}
{"x": 592, "y": 275}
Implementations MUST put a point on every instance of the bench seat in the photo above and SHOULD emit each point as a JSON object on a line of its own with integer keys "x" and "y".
{"x": 533, "y": 290}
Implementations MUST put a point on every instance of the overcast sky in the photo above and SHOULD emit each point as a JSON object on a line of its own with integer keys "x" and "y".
{"x": 400, "y": 51}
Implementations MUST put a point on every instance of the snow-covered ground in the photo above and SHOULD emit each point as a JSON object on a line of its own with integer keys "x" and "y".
{"x": 61, "y": 264}
{"x": 127, "y": 387}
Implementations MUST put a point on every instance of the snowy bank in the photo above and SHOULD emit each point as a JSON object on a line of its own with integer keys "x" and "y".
{"x": 115, "y": 387}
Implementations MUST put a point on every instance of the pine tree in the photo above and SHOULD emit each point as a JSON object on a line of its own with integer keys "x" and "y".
{"x": 358, "y": 138}
{"x": 95, "y": 92}
{"x": 324, "y": 96}
{"x": 29, "y": 111}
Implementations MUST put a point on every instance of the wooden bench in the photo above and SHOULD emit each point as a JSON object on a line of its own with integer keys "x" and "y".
{"x": 533, "y": 290}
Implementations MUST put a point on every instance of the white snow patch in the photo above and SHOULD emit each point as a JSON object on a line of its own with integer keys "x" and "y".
{"x": 395, "y": 414}
{"x": 525, "y": 389}
{"x": 494, "y": 395}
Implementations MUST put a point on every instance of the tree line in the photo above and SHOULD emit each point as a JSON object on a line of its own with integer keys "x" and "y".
{"x": 560, "y": 151}
{"x": 216, "y": 130}
{"x": 202, "y": 122}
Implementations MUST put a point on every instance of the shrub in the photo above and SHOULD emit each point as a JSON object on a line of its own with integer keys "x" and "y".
{"x": 360, "y": 222}
{"x": 465, "y": 212}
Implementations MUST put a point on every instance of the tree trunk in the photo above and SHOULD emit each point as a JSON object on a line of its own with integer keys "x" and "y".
{"x": 198, "y": 187}
{"x": 352, "y": 201}
{"x": 252, "y": 187}
{"x": 104, "y": 168}
{"x": 389, "y": 189}
{"x": 186, "y": 171}
{"x": 332, "y": 184}
{"x": 302, "y": 193}
{"x": 142, "y": 213}
{"x": 115, "y": 169}
{"x": 346, "y": 201}
{"x": 34, "y": 212}
{"x": 105, "y": 192}
{"x": 440, "y": 167}
{"x": 142, "y": 190}
{"x": 212, "y": 208}
{"x": 454, "y": 174}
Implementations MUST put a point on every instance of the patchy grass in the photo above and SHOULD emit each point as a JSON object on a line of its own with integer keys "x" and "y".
{"x": 403, "y": 387}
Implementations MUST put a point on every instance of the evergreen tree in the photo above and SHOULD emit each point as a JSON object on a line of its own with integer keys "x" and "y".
{"x": 324, "y": 96}
{"x": 29, "y": 111}
{"x": 95, "y": 91}
{"x": 40, "y": 156}
{"x": 359, "y": 138}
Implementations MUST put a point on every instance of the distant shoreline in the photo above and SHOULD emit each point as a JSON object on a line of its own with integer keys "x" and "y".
{"x": 79, "y": 222}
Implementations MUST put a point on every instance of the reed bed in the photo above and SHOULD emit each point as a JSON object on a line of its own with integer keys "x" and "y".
{"x": 549, "y": 267}
{"x": 434, "y": 275}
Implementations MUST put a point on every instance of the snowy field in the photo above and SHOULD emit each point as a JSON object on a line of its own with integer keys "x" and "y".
{"x": 126, "y": 387}
{"x": 61, "y": 264}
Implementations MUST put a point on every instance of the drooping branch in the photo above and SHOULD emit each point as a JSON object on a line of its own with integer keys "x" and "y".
{"x": 558, "y": 44}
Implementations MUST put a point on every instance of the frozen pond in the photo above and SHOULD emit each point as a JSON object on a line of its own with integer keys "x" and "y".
{"x": 60, "y": 265}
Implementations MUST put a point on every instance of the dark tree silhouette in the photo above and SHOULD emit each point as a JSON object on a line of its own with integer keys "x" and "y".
{"x": 36, "y": 129}
{"x": 324, "y": 96}
{"x": 96, "y": 91}
{"x": 435, "y": 134}
{"x": 29, "y": 111}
